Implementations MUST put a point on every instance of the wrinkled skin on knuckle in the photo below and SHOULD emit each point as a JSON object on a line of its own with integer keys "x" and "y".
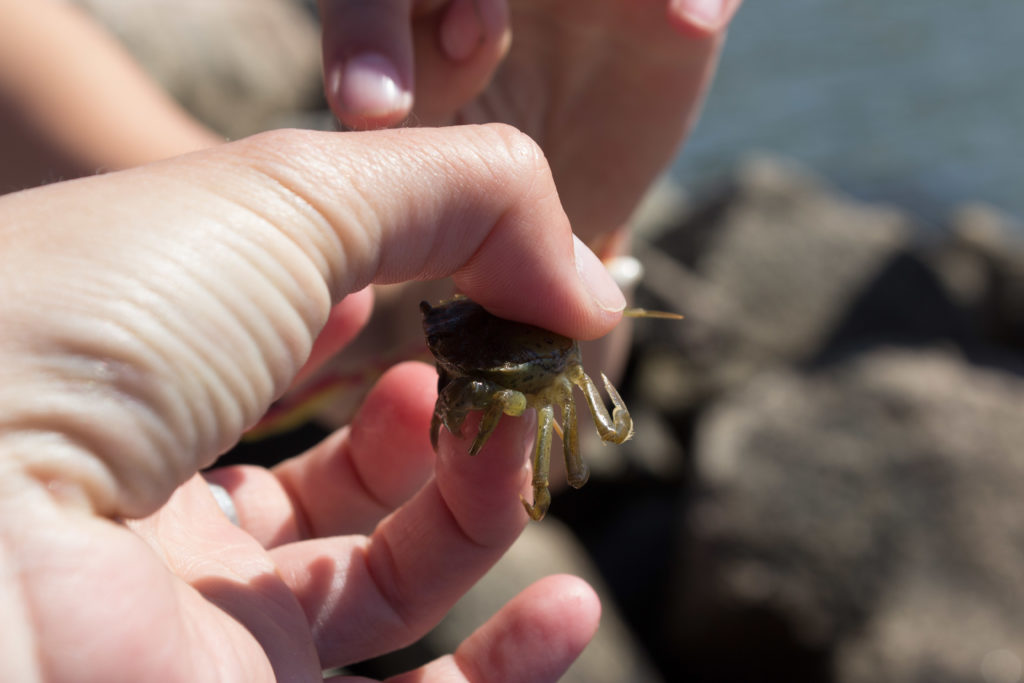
{"x": 523, "y": 156}
{"x": 124, "y": 406}
{"x": 136, "y": 363}
{"x": 305, "y": 175}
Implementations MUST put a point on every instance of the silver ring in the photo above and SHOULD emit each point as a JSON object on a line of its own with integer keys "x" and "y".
{"x": 627, "y": 271}
{"x": 225, "y": 502}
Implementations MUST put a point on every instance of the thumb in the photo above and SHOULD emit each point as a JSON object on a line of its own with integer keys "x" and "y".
{"x": 150, "y": 315}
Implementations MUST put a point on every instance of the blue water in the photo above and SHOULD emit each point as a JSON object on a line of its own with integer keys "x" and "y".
{"x": 919, "y": 102}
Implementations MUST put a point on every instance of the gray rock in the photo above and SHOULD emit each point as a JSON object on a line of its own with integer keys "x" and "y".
{"x": 764, "y": 273}
{"x": 983, "y": 263}
{"x": 874, "y": 508}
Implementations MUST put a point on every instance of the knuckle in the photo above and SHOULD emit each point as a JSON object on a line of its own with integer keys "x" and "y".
{"x": 520, "y": 147}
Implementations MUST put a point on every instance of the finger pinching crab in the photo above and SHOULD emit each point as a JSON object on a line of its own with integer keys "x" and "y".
{"x": 503, "y": 367}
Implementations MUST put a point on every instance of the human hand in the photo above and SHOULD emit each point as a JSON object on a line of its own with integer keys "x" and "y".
{"x": 149, "y": 316}
{"x": 608, "y": 88}
{"x": 87, "y": 107}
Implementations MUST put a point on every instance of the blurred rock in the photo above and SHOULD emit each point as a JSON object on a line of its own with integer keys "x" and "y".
{"x": 240, "y": 66}
{"x": 764, "y": 272}
{"x": 846, "y": 397}
{"x": 874, "y": 505}
{"x": 983, "y": 263}
{"x": 659, "y": 209}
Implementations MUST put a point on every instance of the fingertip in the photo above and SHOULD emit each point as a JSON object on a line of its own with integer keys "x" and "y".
{"x": 348, "y": 317}
{"x": 366, "y": 91}
{"x": 402, "y": 399}
{"x": 597, "y": 280}
{"x": 537, "y": 635}
{"x": 701, "y": 18}
{"x": 482, "y": 491}
{"x": 367, "y": 62}
{"x": 564, "y": 594}
{"x": 390, "y": 434}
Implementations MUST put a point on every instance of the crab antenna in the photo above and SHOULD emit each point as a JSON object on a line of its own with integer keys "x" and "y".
{"x": 644, "y": 313}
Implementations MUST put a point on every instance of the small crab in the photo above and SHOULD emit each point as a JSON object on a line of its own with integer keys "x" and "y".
{"x": 504, "y": 367}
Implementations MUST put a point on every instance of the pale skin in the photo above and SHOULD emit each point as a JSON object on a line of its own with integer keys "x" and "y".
{"x": 158, "y": 311}
{"x": 295, "y": 222}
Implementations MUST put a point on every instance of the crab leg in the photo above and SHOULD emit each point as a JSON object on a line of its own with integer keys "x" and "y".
{"x": 459, "y": 396}
{"x": 541, "y": 465}
{"x": 451, "y": 407}
{"x": 617, "y": 427}
{"x": 576, "y": 470}
{"x": 505, "y": 401}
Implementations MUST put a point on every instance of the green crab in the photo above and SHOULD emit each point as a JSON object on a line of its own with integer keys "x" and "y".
{"x": 503, "y": 367}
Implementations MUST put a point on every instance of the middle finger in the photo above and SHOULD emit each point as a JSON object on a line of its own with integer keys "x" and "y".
{"x": 351, "y": 480}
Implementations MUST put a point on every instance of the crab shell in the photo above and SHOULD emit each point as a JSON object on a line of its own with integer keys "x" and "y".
{"x": 503, "y": 367}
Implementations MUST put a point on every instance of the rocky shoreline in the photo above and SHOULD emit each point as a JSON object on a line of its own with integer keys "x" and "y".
{"x": 846, "y": 402}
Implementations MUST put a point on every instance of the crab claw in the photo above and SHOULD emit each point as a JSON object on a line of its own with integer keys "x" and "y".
{"x": 540, "y": 505}
{"x": 623, "y": 430}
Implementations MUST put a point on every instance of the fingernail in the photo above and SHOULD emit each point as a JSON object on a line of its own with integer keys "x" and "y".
{"x": 596, "y": 278}
{"x": 368, "y": 85}
{"x": 705, "y": 12}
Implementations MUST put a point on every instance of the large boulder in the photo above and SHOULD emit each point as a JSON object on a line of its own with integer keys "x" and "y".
{"x": 765, "y": 271}
{"x": 872, "y": 507}
{"x": 846, "y": 399}
{"x": 982, "y": 265}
